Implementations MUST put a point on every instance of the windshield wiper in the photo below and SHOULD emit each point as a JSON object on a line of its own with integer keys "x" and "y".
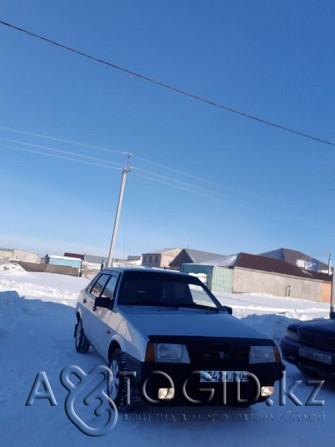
{"x": 174, "y": 305}
{"x": 198, "y": 306}
{"x": 150, "y": 303}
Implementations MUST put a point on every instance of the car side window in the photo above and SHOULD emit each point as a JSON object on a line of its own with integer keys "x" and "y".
{"x": 110, "y": 287}
{"x": 99, "y": 285}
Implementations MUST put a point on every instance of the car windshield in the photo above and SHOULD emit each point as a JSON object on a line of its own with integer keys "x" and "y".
{"x": 145, "y": 288}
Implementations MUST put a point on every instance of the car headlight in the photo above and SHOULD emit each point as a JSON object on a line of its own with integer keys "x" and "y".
{"x": 292, "y": 335}
{"x": 167, "y": 353}
{"x": 262, "y": 354}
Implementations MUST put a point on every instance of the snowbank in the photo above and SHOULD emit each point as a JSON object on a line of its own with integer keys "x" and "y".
{"x": 36, "y": 334}
{"x": 44, "y": 286}
{"x": 11, "y": 268}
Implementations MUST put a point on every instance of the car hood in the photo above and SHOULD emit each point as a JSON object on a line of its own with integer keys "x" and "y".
{"x": 188, "y": 322}
{"x": 317, "y": 325}
{"x": 318, "y": 328}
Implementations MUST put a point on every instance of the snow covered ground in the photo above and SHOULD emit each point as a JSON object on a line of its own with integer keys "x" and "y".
{"x": 36, "y": 334}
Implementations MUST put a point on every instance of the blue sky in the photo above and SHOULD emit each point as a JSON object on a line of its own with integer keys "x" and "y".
{"x": 202, "y": 177}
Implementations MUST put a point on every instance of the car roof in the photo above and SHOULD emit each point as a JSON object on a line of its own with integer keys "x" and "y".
{"x": 143, "y": 269}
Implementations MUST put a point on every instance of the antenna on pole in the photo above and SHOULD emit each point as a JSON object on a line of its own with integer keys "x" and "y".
{"x": 125, "y": 171}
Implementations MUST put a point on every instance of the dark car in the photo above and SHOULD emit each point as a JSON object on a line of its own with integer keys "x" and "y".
{"x": 311, "y": 346}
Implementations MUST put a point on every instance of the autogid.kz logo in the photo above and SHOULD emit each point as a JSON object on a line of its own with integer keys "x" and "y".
{"x": 93, "y": 412}
{"x": 87, "y": 404}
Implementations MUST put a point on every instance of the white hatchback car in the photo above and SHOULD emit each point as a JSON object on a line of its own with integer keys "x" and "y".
{"x": 167, "y": 338}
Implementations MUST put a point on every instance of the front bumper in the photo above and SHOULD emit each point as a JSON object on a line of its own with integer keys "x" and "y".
{"x": 308, "y": 358}
{"x": 189, "y": 390}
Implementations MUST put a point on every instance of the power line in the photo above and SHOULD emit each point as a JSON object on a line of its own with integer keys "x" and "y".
{"x": 168, "y": 181}
{"x": 172, "y": 183}
{"x": 162, "y": 182}
{"x": 193, "y": 187}
{"x": 148, "y": 175}
{"x": 187, "y": 187}
{"x": 185, "y": 174}
{"x": 176, "y": 171}
{"x": 57, "y": 156}
{"x": 107, "y": 164}
{"x": 63, "y": 140}
{"x": 167, "y": 86}
{"x": 61, "y": 151}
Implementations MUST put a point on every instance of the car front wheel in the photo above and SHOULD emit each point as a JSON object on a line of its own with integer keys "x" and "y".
{"x": 81, "y": 343}
{"x": 118, "y": 389}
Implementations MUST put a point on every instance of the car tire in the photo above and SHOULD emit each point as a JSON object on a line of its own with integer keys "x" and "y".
{"x": 118, "y": 383}
{"x": 81, "y": 343}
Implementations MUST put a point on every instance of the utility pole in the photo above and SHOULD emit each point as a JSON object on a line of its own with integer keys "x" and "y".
{"x": 125, "y": 171}
{"x": 332, "y": 296}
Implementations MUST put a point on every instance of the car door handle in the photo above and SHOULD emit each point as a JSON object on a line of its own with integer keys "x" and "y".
{"x": 84, "y": 300}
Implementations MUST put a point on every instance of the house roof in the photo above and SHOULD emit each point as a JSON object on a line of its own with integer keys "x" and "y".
{"x": 294, "y": 256}
{"x": 188, "y": 255}
{"x": 74, "y": 255}
{"x": 223, "y": 261}
{"x": 267, "y": 264}
{"x": 68, "y": 258}
{"x": 201, "y": 256}
{"x": 161, "y": 251}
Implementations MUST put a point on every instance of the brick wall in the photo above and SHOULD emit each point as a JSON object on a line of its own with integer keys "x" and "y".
{"x": 48, "y": 268}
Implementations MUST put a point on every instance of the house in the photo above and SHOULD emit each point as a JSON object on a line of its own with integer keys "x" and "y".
{"x": 218, "y": 273}
{"x": 136, "y": 259}
{"x": 64, "y": 261}
{"x": 91, "y": 264}
{"x": 248, "y": 273}
{"x": 12, "y": 254}
{"x": 131, "y": 261}
{"x": 160, "y": 258}
{"x": 297, "y": 258}
{"x": 94, "y": 262}
{"x": 278, "y": 277}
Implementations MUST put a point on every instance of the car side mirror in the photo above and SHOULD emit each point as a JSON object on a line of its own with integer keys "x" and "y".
{"x": 102, "y": 302}
{"x": 229, "y": 310}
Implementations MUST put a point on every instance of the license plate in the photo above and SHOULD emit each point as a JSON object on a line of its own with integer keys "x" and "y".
{"x": 223, "y": 376}
{"x": 315, "y": 355}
